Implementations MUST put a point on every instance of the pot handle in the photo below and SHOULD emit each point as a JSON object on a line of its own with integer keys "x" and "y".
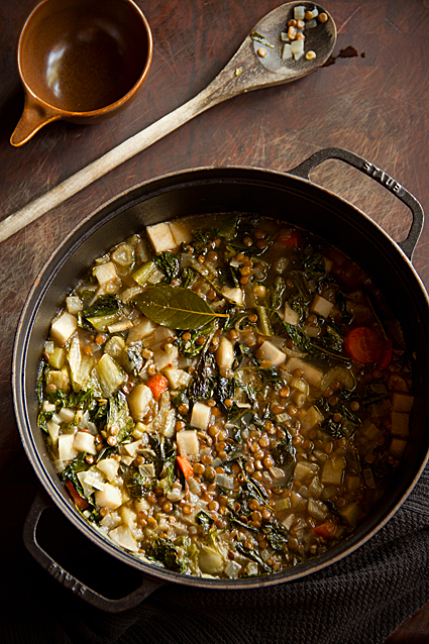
{"x": 68, "y": 580}
{"x": 409, "y": 244}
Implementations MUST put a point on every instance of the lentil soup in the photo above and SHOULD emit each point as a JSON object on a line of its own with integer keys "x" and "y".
{"x": 225, "y": 401}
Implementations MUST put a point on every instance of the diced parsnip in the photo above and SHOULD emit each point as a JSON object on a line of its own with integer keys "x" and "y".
{"x": 123, "y": 536}
{"x": 315, "y": 488}
{"x": 311, "y": 418}
{"x": 201, "y": 415}
{"x": 161, "y": 237}
{"x": 105, "y": 273}
{"x": 351, "y": 513}
{"x": 304, "y": 470}
{"x": 290, "y": 316}
{"x": 84, "y": 442}
{"x": 301, "y": 385}
{"x": 181, "y": 233}
{"x": 109, "y": 497}
{"x": 129, "y": 293}
{"x": 66, "y": 450}
{"x": 53, "y": 430}
{"x": 109, "y": 467}
{"x": 210, "y": 561}
{"x": 142, "y": 505}
{"x": 297, "y": 502}
{"x": 225, "y": 357}
{"x": 312, "y": 374}
{"x": 317, "y": 509}
{"x": 270, "y": 352}
{"x": 57, "y": 358}
{"x": 370, "y": 431}
{"x": 117, "y": 327}
{"x": 110, "y": 375}
{"x": 187, "y": 442}
{"x": 402, "y": 402}
{"x": 47, "y": 406}
{"x": 177, "y": 377}
{"x": 58, "y": 377}
{"x": 232, "y": 569}
{"x": 90, "y": 481}
{"x": 129, "y": 517}
{"x": 131, "y": 448}
{"x": 74, "y": 304}
{"x": 320, "y": 306}
{"x": 400, "y": 424}
{"x": 63, "y": 327}
{"x": 233, "y": 294}
{"x": 166, "y": 358}
{"x": 282, "y": 504}
{"x": 397, "y": 447}
{"x": 139, "y": 401}
{"x": 352, "y": 482}
{"x": 333, "y": 470}
{"x": 340, "y": 374}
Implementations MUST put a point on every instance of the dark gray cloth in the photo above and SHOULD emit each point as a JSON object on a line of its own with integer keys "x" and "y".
{"x": 359, "y": 600}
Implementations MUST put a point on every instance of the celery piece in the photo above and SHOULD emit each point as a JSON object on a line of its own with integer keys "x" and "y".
{"x": 110, "y": 375}
{"x": 102, "y": 322}
{"x": 144, "y": 272}
{"x": 57, "y": 358}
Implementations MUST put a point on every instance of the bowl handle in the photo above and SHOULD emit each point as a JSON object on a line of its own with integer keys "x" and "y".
{"x": 68, "y": 580}
{"x": 409, "y": 244}
{"x": 35, "y": 115}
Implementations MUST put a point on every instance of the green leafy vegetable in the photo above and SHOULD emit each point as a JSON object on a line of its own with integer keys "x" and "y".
{"x": 168, "y": 264}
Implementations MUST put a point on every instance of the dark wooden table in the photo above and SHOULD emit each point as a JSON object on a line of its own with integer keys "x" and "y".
{"x": 374, "y": 102}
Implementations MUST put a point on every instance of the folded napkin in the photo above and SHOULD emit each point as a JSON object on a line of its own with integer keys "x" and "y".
{"x": 359, "y": 600}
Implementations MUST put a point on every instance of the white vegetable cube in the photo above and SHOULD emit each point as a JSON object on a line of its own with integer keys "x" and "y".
{"x": 351, "y": 513}
{"x": 129, "y": 517}
{"x": 109, "y": 467}
{"x": 233, "y": 294}
{"x": 176, "y": 377}
{"x": 131, "y": 448}
{"x": 180, "y": 232}
{"x": 105, "y": 273}
{"x": 63, "y": 327}
{"x": 297, "y": 49}
{"x": 402, "y": 402}
{"x": 141, "y": 330}
{"x": 270, "y": 352}
{"x": 123, "y": 536}
{"x": 84, "y": 442}
{"x": 210, "y": 561}
{"x": 67, "y": 415}
{"x": 54, "y": 430}
{"x": 110, "y": 375}
{"x": 225, "y": 356}
{"x": 286, "y": 52}
{"x": 201, "y": 415}
{"x": 313, "y": 375}
{"x": 290, "y": 316}
{"x": 74, "y": 304}
{"x": 311, "y": 418}
{"x": 109, "y": 497}
{"x": 166, "y": 358}
{"x": 333, "y": 469}
{"x": 397, "y": 447}
{"x": 299, "y": 12}
{"x": 400, "y": 424}
{"x": 187, "y": 442}
{"x": 139, "y": 400}
{"x": 66, "y": 449}
{"x": 161, "y": 237}
{"x": 320, "y": 306}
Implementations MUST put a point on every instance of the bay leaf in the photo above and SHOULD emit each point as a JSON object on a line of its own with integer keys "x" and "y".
{"x": 176, "y": 307}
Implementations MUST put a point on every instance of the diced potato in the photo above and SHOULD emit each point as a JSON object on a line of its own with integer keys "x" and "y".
{"x": 109, "y": 467}
{"x": 139, "y": 401}
{"x": 351, "y": 513}
{"x": 129, "y": 517}
{"x": 210, "y": 561}
{"x": 123, "y": 536}
{"x": 57, "y": 358}
{"x": 233, "y": 294}
{"x": 181, "y": 233}
{"x": 304, "y": 470}
{"x": 320, "y": 306}
{"x": 402, "y": 403}
{"x": 400, "y": 424}
{"x": 59, "y": 377}
{"x": 311, "y": 418}
{"x": 176, "y": 377}
{"x": 165, "y": 359}
{"x": 187, "y": 442}
{"x": 312, "y": 374}
{"x": 63, "y": 327}
{"x": 141, "y": 330}
{"x": 290, "y": 316}
{"x": 110, "y": 375}
{"x": 110, "y": 497}
{"x": 370, "y": 431}
{"x": 201, "y": 415}
{"x": 352, "y": 482}
{"x": 67, "y": 415}
{"x": 131, "y": 448}
{"x": 333, "y": 470}
{"x": 66, "y": 449}
{"x": 161, "y": 237}
{"x": 74, "y": 304}
{"x": 142, "y": 505}
{"x": 54, "y": 430}
{"x": 84, "y": 442}
{"x": 105, "y": 273}
{"x": 397, "y": 447}
{"x": 317, "y": 509}
{"x": 225, "y": 356}
{"x": 270, "y": 352}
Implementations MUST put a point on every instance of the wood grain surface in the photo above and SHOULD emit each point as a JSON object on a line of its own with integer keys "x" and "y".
{"x": 374, "y": 103}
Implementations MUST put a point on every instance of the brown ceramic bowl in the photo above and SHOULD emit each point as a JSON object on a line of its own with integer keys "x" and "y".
{"x": 80, "y": 61}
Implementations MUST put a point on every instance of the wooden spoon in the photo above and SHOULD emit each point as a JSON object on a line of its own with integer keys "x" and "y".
{"x": 257, "y": 63}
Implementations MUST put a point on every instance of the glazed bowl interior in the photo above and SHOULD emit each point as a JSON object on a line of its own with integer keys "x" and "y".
{"x": 225, "y": 190}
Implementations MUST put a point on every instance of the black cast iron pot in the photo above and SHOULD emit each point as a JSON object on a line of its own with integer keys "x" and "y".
{"x": 290, "y": 197}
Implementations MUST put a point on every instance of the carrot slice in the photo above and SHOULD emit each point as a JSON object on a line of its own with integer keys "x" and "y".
{"x": 157, "y": 384}
{"x": 81, "y": 503}
{"x": 363, "y": 344}
{"x": 185, "y": 466}
{"x": 288, "y": 237}
{"x": 325, "y": 530}
{"x": 386, "y": 356}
